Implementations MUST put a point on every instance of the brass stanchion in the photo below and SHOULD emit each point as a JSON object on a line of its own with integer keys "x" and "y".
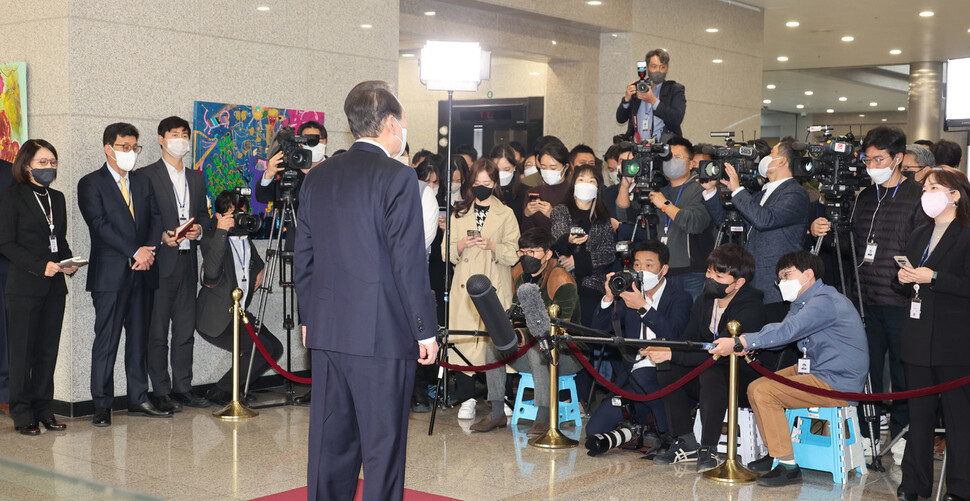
{"x": 553, "y": 438}
{"x": 731, "y": 471}
{"x": 236, "y": 410}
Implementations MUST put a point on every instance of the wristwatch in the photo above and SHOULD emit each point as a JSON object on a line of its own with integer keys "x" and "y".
{"x": 933, "y": 280}
{"x": 738, "y": 347}
{"x": 667, "y": 203}
{"x": 642, "y": 310}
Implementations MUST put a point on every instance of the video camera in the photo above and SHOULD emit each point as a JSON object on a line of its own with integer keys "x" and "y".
{"x": 244, "y": 223}
{"x": 645, "y": 168}
{"x": 837, "y": 164}
{"x": 740, "y": 155}
{"x": 295, "y": 159}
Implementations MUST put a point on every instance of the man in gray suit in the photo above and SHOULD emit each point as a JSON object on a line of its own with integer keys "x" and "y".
{"x": 777, "y": 216}
{"x": 181, "y": 195}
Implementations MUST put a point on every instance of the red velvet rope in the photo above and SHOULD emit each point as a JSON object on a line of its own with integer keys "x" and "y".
{"x": 495, "y": 365}
{"x": 663, "y": 392}
{"x": 866, "y": 397}
{"x": 272, "y": 363}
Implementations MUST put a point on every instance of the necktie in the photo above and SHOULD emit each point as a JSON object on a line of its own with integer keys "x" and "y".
{"x": 124, "y": 193}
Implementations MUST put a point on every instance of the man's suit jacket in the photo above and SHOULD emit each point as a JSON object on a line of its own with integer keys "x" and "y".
{"x": 939, "y": 336}
{"x": 774, "y": 230}
{"x": 25, "y": 240}
{"x": 672, "y": 107}
{"x": 165, "y": 197}
{"x": 361, "y": 274}
{"x": 115, "y": 237}
{"x": 6, "y": 182}
{"x": 668, "y": 320}
{"x": 212, "y": 312}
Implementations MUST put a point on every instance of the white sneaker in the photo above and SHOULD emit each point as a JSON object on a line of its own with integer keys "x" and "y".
{"x": 508, "y": 411}
{"x": 467, "y": 409}
{"x": 898, "y": 449}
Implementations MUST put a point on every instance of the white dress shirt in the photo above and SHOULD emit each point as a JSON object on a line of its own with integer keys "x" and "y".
{"x": 182, "y": 203}
{"x": 645, "y": 332}
{"x": 241, "y": 256}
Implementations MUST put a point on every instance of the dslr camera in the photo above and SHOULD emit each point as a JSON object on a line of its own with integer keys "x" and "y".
{"x": 741, "y": 155}
{"x": 624, "y": 280}
{"x": 244, "y": 223}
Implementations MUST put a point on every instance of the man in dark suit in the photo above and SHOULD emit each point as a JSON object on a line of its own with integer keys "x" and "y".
{"x": 365, "y": 302}
{"x": 6, "y": 181}
{"x": 122, "y": 216}
{"x": 180, "y": 194}
{"x": 230, "y": 260}
{"x": 777, "y": 216}
{"x": 658, "y": 112}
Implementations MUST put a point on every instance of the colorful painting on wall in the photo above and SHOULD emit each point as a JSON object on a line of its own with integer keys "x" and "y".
{"x": 13, "y": 108}
{"x": 230, "y": 143}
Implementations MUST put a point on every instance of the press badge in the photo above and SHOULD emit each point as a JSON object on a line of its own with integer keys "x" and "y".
{"x": 804, "y": 364}
{"x": 53, "y": 244}
{"x": 663, "y": 240}
{"x": 914, "y": 308}
{"x": 870, "y": 255}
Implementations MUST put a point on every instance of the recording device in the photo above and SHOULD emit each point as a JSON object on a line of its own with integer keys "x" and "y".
{"x": 577, "y": 230}
{"x": 493, "y": 315}
{"x": 837, "y": 164}
{"x": 244, "y": 223}
{"x": 643, "y": 85}
{"x": 903, "y": 261}
{"x": 624, "y": 435}
{"x": 534, "y": 196}
{"x": 740, "y": 155}
{"x": 623, "y": 281}
{"x": 295, "y": 158}
{"x": 536, "y": 316}
{"x": 646, "y": 171}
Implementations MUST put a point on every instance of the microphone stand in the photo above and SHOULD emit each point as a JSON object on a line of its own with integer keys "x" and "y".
{"x": 442, "y": 385}
{"x": 600, "y": 337}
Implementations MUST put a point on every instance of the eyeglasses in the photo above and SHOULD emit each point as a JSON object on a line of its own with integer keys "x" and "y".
{"x": 531, "y": 252}
{"x": 875, "y": 160}
{"x": 127, "y": 147}
{"x": 44, "y": 162}
{"x": 784, "y": 275}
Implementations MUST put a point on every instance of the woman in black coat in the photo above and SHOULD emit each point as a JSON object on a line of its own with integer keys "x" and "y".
{"x": 32, "y": 237}
{"x": 935, "y": 340}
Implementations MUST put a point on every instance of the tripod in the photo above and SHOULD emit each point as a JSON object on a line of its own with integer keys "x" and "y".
{"x": 732, "y": 229}
{"x": 277, "y": 258}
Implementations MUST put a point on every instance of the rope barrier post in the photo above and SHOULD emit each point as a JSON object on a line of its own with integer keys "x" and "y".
{"x": 235, "y": 410}
{"x": 731, "y": 471}
{"x": 553, "y": 438}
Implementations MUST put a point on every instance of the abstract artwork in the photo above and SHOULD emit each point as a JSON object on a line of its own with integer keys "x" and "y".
{"x": 13, "y": 109}
{"x": 230, "y": 143}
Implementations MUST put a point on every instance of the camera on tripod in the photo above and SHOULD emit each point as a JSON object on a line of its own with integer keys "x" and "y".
{"x": 645, "y": 169}
{"x": 643, "y": 85}
{"x": 835, "y": 162}
{"x": 295, "y": 159}
{"x": 244, "y": 223}
{"x": 740, "y": 155}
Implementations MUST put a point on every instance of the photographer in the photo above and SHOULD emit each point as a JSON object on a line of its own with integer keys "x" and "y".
{"x": 658, "y": 112}
{"x": 684, "y": 223}
{"x": 230, "y": 260}
{"x": 727, "y": 296}
{"x": 776, "y": 216}
{"x": 652, "y": 308}
{"x": 267, "y": 189}
{"x": 884, "y": 217}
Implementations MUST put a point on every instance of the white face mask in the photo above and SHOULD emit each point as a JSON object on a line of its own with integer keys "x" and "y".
{"x": 530, "y": 170}
{"x": 455, "y": 192}
{"x": 178, "y": 147}
{"x": 585, "y": 192}
{"x": 125, "y": 159}
{"x": 318, "y": 152}
{"x": 880, "y": 176}
{"x": 435, "y": 191}
{"x": 615, "y": 176}
{"x": 763, "y": 166}
{"x": 789, "y": 289}
{"x": 648, "y": 280}
{"x": 403, "y": 138}
{"x": 551, "y": 177}
{"x": 505, "y": 177}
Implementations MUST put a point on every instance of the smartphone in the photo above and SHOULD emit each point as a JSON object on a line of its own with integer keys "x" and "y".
{"x": 578, "y": 231}
{"x": 903, "y": 261}
{"x": 474, "y": 233}
{"x": 533, "y": 197}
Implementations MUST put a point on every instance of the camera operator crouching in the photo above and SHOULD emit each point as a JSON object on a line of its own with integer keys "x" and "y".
{"x": 885, "y": 215}
{"x": 230, "y": 260}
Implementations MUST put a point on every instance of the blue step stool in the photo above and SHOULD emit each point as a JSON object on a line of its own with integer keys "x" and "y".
{"x": 526, "y": 409}
{"x": 836, "y": 453}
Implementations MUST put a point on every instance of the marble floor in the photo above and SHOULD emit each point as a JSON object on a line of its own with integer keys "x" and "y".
{"x": 196, "y": 456}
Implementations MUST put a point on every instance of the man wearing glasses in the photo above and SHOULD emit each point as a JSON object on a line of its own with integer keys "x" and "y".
{"x": 123, "y": 219}
{"x": 884, "y": 217}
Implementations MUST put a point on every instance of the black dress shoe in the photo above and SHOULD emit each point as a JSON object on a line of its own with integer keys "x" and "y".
{"x": 52, "y": 424}
{"x": 147, "y": 409}
{"x": 305, "y": 400}
{"x": 416, "y": 407}
{"x": 762, "y": 465}
{"x": 781, "y": 475}
{"x": 102, "y": 417}
{"x": 219, "y": 397}
{"x": 953, "y": 497}
{"x": 31, "y": 430}
{"x": 906, "y": 496}
{"x": 190, "y": 400}
{"x": 167, "y": 403}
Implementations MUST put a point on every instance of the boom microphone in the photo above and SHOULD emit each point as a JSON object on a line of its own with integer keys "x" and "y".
{"x": 536, "y": 316}
{"x": 493, "y": 315}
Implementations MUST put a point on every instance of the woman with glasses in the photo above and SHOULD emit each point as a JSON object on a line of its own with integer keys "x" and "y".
{"x": 484, "y": 240}
{"x": 935, "y": 341}
{"x": 32, "y": 236}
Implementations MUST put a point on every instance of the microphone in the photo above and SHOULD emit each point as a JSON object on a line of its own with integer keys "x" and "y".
{"x": 493, "y": 315}
{"x": 708, "y": 150}
{"x": 536, "y": 316}
{"x": 799, "y": 146}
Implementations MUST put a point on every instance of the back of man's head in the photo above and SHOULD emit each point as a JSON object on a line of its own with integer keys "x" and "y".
{"x": 733, "y": 260}
{"x": 786, "y": 148}
{"x": 467, "y": 149}
{"x": 368, "y": 105}
{"x": 947, "y": 153}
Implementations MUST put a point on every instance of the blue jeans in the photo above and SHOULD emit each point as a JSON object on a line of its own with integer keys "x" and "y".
{"x": 691, "y": 283}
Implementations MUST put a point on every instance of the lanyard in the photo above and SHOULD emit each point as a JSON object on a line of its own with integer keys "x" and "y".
{"x": 716, "y": 318}
{"x": 927, "y": 252}
{"x": 49, "y": 218}
{"x": 181, "y": 200}
{"x": 243, "y": 260}
{"x": 676, "y": 200}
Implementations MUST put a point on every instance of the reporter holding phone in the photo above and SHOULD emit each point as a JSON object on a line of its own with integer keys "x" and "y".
{"x": 32, "y": 236}
{"x": 554, "y": 167}
{"x": 935, "y": 343}
{"x": 484, "y": 239}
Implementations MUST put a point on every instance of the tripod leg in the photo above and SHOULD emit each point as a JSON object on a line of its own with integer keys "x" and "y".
{"x": 869, "y": 415}
{"x": 440, "y": 385}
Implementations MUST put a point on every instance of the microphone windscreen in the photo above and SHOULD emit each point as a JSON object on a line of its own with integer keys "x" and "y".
{"x": 707, "y": 150}
{"x": 490, "y": 309}
{"x": 534, "y": 309}
{"x": 799, "y": 146}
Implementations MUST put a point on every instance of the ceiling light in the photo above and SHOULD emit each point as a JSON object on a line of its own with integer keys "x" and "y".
{"x": 767, "y": 101}
{"x": 615, "y": 35}
{"x": 895, "y": 52}
{"x": 862, "y": 115}
{"x": 717, "y": 61}
{"x": 534, "y": 73}
{"x": 830, "y": 110}
{"x": 770, "y": 86}
{"x": 594, "y": 2}
{"x": 809, "y": 93}
{"x": 554, "y": 42}
{"x": 263, "y": 8}
{"x": 407, "y": 54}
{"x": 926, "y": 13}
{"x": 873, "y": 104}
{"x": 843, "y": 99}
{"x": 885, "y": 120}
{"x": 782, "y": 58}
{"x": 901, "y": 108}
{"x": 712, "y": 30}
{"x": 366, "y": 26}
{"x": 799, "y": 106}
{"x": 848, "y": 38}
{"x": 792, "y": 24}
{"x": 430, "y": 13}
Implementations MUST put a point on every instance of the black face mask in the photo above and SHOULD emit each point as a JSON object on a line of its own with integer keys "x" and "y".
{"x": 715, "y": 289}
{"x": 910, "y": 174}
{"x": 530, "y": 265}
{"x": 481, "y": 192}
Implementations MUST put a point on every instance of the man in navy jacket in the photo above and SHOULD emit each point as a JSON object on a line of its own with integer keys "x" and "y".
{"x": 365, "y": 301}
{"x": 660, "y": 311}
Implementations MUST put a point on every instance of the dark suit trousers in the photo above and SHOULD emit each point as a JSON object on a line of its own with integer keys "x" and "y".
{"x": 129, "y": 308}
{"x": 4, "y": 368}
{"x": 710, "y": 389}
{"x": 359, "y": 414}
{"x": 174, "y": 304}
{"x": 918, "y": 459}
{"x": 33, "y": 337}
{"x": 224, "y": 341}
{"x": 884, "y": 330}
